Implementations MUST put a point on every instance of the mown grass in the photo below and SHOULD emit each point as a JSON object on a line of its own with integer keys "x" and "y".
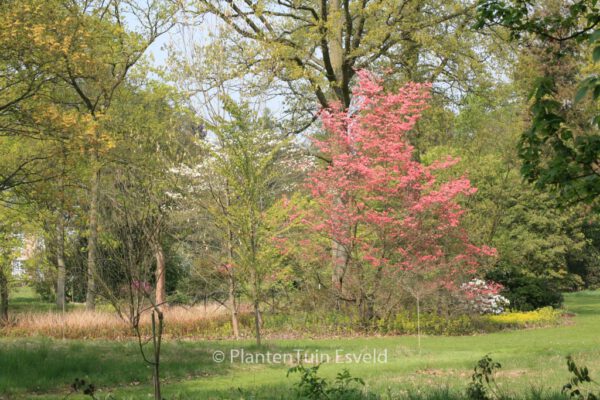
{"x": 533, "y": 363}
{"x": 23, "y": 299}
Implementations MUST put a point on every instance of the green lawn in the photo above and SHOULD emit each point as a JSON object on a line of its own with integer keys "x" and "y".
{"x": 24, "y": 299}
{"x": 533, "y": 363}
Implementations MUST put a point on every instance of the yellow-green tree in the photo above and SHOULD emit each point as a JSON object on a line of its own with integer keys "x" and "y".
{"x": 240, "y": 176}
{"x": 312, "y": 49}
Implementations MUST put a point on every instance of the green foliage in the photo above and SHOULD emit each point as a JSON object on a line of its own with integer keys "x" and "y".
{"x": 314, "y": 387}
{"x": 243, "y": 173}
{"x": 581, "y": 385}
{"x": 311, "y": 385}
{"x": 571, "y": 165}
{"x": 533, "y": 235}
{"x": 586, "y": 263}
{"x": 527, "y": 292}
{"x": 556, "y": 152}
{"x": 431, "y": 324}
{"x": 483, "y": 384}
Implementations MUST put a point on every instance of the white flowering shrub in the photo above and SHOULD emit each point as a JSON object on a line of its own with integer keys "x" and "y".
{"x": 484, "y": 297}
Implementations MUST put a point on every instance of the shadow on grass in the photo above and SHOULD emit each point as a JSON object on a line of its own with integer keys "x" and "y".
{"x": 24, "y": 299}
{"x": 44, "y": 366}
{"x": 50, "y": 366}
{"x": 285, "y": 392}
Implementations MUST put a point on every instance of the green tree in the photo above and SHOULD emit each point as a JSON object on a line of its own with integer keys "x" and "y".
{"x": 241, "y": 176}
{"x": 561, "y": 148}
{"x": 311, "y": 50}
{"x": 151, "y": 132}
{"x": 534, "y": 237}
{"x": 112, "y": 49}
{"x": 79, "y": 53}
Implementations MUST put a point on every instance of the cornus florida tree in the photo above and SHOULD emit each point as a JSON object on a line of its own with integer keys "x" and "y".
{"x": 393, "y": 225}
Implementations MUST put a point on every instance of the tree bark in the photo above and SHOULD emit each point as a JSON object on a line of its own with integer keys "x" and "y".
{"x": 233, "y": 307}
{"x": 339, "y": 262}
{"x": 90, "y": 301}
{"x": 418, "y": 298}
{"x": 366, "y": 309}
{"x": 257, "y": 296}
{"x": 336, "y": 55}
{"x": 157, "y": 340}
{"x": 336, "y": 49}
{"x": 60, "y": 262}
{"x": 3, "y": 295}
{"x": 257, "y": 321}
{"x": 160, "y": 274}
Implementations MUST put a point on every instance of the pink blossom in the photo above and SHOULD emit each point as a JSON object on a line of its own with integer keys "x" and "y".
{"x": 408, "y": 220}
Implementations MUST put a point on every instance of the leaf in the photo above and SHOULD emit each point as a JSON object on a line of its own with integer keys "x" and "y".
{"x": 596, "y": 53}
{"x": 581, "y": 92}
{"x": 596, "y": 93}
{"x": 566, "y": 135}
{"x": 594, "y": 36}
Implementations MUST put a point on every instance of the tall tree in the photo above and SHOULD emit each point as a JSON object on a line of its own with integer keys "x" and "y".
{"x": 78, "y": 53}
{"x": 534, "y": 238}
{"x": 241, "y": 176}
{"x": 99, "y": 49}
{"x": 394, "y": 218}
{"x": 561, "y": 148}
{"x": 313, "y": 48}
{"x": 150, "y": 127}
{"x": 308, "y": 53}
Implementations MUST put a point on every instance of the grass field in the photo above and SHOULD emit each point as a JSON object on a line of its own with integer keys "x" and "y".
{"x": 24, "y": 299}
{"x": 533, "y": 363}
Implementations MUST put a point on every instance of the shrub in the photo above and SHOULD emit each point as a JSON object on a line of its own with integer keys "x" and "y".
{"x": 523, "y": 319}
{"x": 314, "y": 387}
{"x": 465, "y": 324}
{"x": 484, "y": 297}
{"x": 581, "y": 386}
{"x": 527, "y": 292}
{"x": 483, "y": 384}
{"x": 431, "y": 324}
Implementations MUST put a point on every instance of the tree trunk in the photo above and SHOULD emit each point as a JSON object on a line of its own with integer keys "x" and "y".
{"x": 160, "y": 274}
{"x": 233, "y": 306}
{"x": 60, "y": 262}
{"x": 257, "y": 316}
{"x": 339, "y": 267}
{"x": 334, "y": 14}
{"x": 157, "y": 340}
{"x": 257, "y": 321}
{"x": 336, "y": 52}
{"x": 3, "y": 295}
{"x": 339, "y": 263}
{"x": 418, "y": 298}
{"x": 90, "y": 301}
{"x": 366, "y": 310}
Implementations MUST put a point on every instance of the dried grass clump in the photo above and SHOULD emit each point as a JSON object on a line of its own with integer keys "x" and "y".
{"x": 180, "y": 322}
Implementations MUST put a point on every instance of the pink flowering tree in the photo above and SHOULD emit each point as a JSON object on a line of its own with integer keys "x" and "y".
{"x": 391, "y": 222}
